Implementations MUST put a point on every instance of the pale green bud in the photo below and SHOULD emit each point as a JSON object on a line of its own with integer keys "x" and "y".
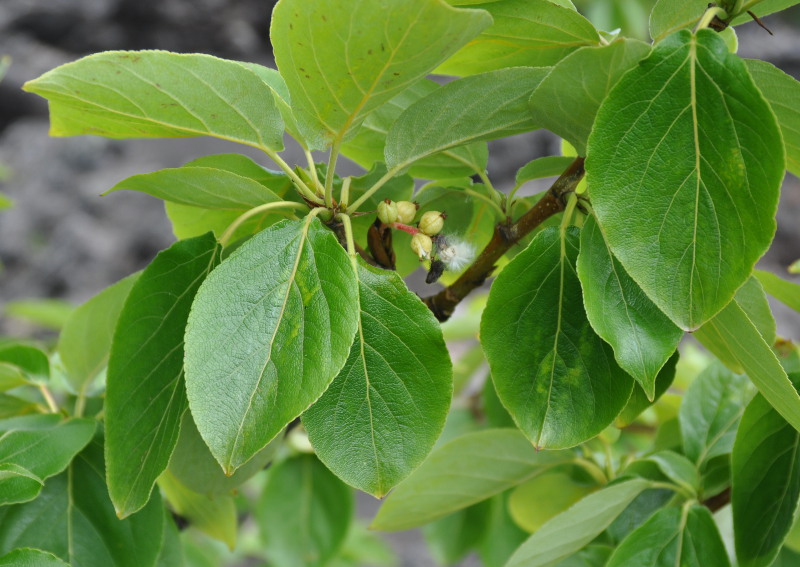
{"x": 406, "y": 211}
{"x": 422, "y": 245}
{"x": 431, "y": 223}
{"x": 387, "y": 211}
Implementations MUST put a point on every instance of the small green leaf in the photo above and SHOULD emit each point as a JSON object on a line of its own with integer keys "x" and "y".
{"x": 85, "y": 340}
{"x": 380, "y": 417}
{"x": 213, "y": 515}
{"x": 787, "y": 293}
{"x": 203, "y": 187}
{"x": 732, "y": 329}
{"x": 145, "y": 394}
{"x": 276, "y": 182}
{"x": 574, "y": 528}
{"x": 670, "y": 16}
{"x": 567, "y": 100}
{"x": 677, "y": 468}
{"x": 194, "y": 466}
{"x": 533, "y": 33}
{"x": 339, "y": 65}
{"x": 11, "y": 406}
{"x": 73, "y": 518}
{"x": 550, "y": 166}
{"x": 536, "y": 501}
{"x": 556, "y": 377}
{"x": 46, "y": 451}
{"x": 684, "y": 536}
{"x": 766, "y": 484}
{"x": 269, "y": 330}
{"x": 11, "y": 376}
{"x": 49, "y": 313}
{"x": 304, "y": 513}
{"x": 638, "y": 401}
{"x": 145, "y": 94}
{"x": 706, "y": 223}
{"x": 710, "y": 412}
{"x": 28, "y": 557}
{"x": 468, "y": 469}
{"x": 28, "y": 358}
{"x": 643, "y": 338}
{"x": 782, "y": 92}
{"x": 483, "y": 107}
{"x": 18, "y": 484}
{"x": 367, "y": 147}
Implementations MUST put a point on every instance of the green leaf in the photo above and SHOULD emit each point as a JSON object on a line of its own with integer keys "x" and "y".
{"x": 85, "y": 340}
{"x": 532, "y": 33}
{"x": 49, "y": 313}
{"x": 203, "y": 187}
{"x": 643, "y": 338}
{"x": 468, "y": 469}
{"x": 549, "y": 166}
{"x": 380, "y": 417}
{"x": 536, "y": 501}
{"x": 670, "y": 16}
{"x": 710, "y": 411}
{"x": 339, "y": 65}
{"x": 145, "y": 395}
{"x": 73, "y": 518}
{"x": 171, "y": 553}
{"x": 732, "y": 329}
{"x": 766, "y": 483}
{"x": 450, "y": 538}
{"x": 269, "y": 330}
{"x": 32, "y": 360}
{"x": 787, "y": 293}
{"x": 782, "y": 92}
{"x": 11, "y": 376}
{"x": 555, "y": 376}
{"x": 47, "y": 451}
{"x": 188, "y": 222}
{"x": 574, "y": 528}
{"x": 304, "y": 513}
{"x": 145, "y": 94}
{"x": 28, "y": 557}
{"x": 638, "y": 401}
{"x": 684, "y": 536}
{"x": 484, "y": 107}
{"x": 213, "y": 515}
{"x": 272, "y": 78}
{"x": 677, "y": 468}
{"x": 367, "y": 147}
{"x": 708, "y": 220}
{"x": 11, "y": 406}
{"x": 195, "y": 467}
{"x": 502, "y": 537}
{"x": 761, "y": 8}
{"x": 18, "y": 484}
{"x": 276, "y": 182}
{"x": 567, "y": 100}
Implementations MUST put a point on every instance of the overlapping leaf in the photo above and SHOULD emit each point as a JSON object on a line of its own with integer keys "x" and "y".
{"x": 688, "y": 137}
{"x": 556, "y": 377}
{"x": 269, "y": 330}
{"x": 145, "y": 395}
{"x": 339, "y": 65}
{"x": 141, "y": 94}
{"x": 382, "y": 414}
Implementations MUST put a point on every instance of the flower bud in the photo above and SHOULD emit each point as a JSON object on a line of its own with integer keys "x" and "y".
{"x": 422, "y": 245}
{"x": 406, "y": 211}
{"x": 431, "y": 223}
{"x": 387, "y": 211}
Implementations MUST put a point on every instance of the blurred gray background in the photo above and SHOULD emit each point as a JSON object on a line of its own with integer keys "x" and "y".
{"x": 62, "y": 240}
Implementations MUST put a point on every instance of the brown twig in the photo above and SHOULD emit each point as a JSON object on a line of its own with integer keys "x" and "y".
{"x": 716, "y": 502}
{"x": 505, "y": 236}
{"x": 759, "y": 22}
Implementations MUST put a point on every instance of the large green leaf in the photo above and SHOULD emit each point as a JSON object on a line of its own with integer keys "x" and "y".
{"x": 670, "y": 16}
{"x": 74, "y": 519}
{"x": 339, "y": 65}
{"x": 687, "y": 137}
{"x": 18, "y": 484}
{"x": 28, "y": 557}
{"x": 782, "y": 91}
{"x": 574, "y": 528}
{"x": 787, "y": 293}
{"x": 567, "y": 100}
{"x": 367, "y": 147}
{"x": 684, "y": 536}
{"x": 765, "y": 475}
{"x": 710, "y": 412}
{"x": 142, "y": 94}
{"x": 382, "y": 414}
{"x": 643, "y": 338}
{"x": 482, "y": 107}
{"x": 532, "y": 33}
{"x": 85, "y": 340}
{"x": 203, "y": 187}
{"x": 269, "y": 330}
{"x": 304, "y": 513}
{"x": 556, "y": 377}
{"x": 468, "y": 469}
{"x": 145, "y": 395}
{"x": 737, "y": 334}
{"x": 536, "y": 501}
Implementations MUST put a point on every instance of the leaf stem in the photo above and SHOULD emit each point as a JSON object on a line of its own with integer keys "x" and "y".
{"x": 344, "y": 198}
{"x": 593, "y": 469}
{"x": 371, "y": 191}
{"x": 348, "y": 233}
{"x": 48, "y": 397}
{"x": 334, "y": 157}
{"x": 312, "y": 170}
{"x": 709, "y": 15}
{"x": 226, "y": 236}
{"x": 299, "y": 184}
{"x": 488, "y": 182}
{"x": 486, "y": 199}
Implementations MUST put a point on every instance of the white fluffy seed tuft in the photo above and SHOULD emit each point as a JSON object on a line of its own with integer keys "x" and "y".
{"x": 455, "y": 253}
